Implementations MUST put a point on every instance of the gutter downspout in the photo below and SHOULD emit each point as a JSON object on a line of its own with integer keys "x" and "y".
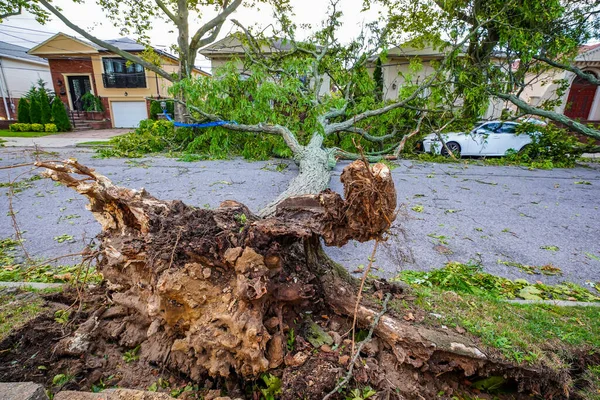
{"x": 2, "y": 86}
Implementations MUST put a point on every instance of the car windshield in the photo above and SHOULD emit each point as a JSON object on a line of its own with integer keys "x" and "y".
{"x": 508, "y": 128}
{"x": 490, "y": 127}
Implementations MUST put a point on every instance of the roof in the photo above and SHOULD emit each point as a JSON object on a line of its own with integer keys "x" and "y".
{"x": 588, "y": 47}
{"x": 14, "y": 51}
{"x": 232, "y": 44}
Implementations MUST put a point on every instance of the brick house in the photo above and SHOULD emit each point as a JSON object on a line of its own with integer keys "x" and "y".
{"x": 78, "y": 67}
{"x": 18, "y": 72}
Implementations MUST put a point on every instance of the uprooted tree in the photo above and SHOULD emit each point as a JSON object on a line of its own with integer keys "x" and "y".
{"x": 316, "y": 97}
{"x": 215, "y": 292}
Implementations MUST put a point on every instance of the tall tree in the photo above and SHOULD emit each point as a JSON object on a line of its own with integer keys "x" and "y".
{"x": 137, "y": 16}
{"x": 287, "y": 95}
{"x": 23, "y": 111}
{"x": 378, "y": 77}
{"x": 538, "y": 36}
{"x": 11, "y": 8}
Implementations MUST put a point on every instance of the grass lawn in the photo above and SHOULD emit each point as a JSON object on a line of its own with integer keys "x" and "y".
{"x": 7, "y": 133}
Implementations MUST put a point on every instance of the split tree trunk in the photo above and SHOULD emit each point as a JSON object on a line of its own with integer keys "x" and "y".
{"x": 315, "y": 165}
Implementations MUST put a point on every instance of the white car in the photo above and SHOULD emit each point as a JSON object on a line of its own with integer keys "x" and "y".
{"x": 492, "y": 138}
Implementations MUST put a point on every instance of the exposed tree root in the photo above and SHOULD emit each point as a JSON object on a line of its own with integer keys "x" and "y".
{"x": 213, "y": 292}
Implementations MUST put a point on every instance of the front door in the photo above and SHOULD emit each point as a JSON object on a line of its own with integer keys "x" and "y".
{"x": 581, "y": 97}
{"x": 78, "y": 86}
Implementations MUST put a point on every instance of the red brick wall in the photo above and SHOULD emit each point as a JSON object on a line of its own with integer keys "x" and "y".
{"x": 58, "y": 67}
{"x": 13, "y": 114}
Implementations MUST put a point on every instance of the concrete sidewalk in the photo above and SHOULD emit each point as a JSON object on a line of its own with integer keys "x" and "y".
{"x": 67, "y": 139}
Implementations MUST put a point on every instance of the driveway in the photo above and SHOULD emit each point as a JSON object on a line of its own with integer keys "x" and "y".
{"x": 500, "y": 217}
{"x": 66, "y": 139}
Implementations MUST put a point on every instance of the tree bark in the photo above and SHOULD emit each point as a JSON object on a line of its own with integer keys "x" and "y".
{"x": 315, "y": 165}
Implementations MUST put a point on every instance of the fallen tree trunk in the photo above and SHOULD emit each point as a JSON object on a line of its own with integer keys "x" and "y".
{"x": 213, "y": 292}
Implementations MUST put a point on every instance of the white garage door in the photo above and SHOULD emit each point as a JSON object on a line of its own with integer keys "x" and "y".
{"x": 128, "y": 114}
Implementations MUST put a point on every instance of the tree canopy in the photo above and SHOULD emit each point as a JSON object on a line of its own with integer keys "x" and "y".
{"x": 510, "y": 45}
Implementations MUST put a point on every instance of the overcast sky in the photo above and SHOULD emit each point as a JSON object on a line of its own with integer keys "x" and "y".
{"x": 24, "y": 31}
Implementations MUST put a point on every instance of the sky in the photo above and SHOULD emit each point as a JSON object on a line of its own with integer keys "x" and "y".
{"x": 24, "y": 31}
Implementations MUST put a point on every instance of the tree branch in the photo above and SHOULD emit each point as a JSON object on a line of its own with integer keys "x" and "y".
{"x": 571, "y": 68}
{"x": 108, "y": 46}
{"x": 11, "y": 14}
{"x": 215, "y": 25}
{"x": 459, "y": 14}
{"x": 554, "y": 116}
{"x": 166, "y": 10}
{"x": 369, "y": 137}
{"x": 285, "y": 133}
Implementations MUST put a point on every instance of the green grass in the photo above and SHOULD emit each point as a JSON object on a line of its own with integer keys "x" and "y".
{"x": 461, "y": 295}
{"x": 14, "y": 313}
{"x": 521, "y": 332}
{"x": 7, "y": 133}
{"x": 12, "y": 270}
{"x": 94, "y": 143}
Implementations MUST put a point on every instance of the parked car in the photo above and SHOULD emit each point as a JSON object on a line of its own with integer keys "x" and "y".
{"x": 491, "y": 138}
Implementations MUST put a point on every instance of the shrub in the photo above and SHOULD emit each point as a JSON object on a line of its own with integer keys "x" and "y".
{"x": 20, "y": 127}
{"x": 45, "y": 112}
{"x": 59, "y": 116}
{"x": 37, "y": 128}
{"x": 91, "y": 102}
{"x": 50, "y": 128}
{"x": 551, "y": 147}
{"x": 23, "y": 112}
{"x": 150, "y": 137}
{"x": 35, "y": 112}
{"x": 155, "y": 109}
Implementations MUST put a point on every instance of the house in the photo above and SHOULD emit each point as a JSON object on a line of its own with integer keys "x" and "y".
{"x": 18, "y": 72}
{"x": 78, "y": 67}
{"x": 415, "y": 64}
{"x": 582, "y": 100}
{"x": 231, "y": 47}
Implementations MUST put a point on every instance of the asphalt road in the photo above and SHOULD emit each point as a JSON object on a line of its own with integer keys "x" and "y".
{"x": 448, "y": 212}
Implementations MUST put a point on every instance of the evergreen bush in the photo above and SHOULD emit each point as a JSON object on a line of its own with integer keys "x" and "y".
{"x": 59, "y": 116}
{"x": 50, "y": 128}
{"x": 155, "y": 109}
{"x": 23, "y": 111}
{"x": 35, "y": 111}
{"x": 46, "y": 112}
{"x": 20, "y": 127}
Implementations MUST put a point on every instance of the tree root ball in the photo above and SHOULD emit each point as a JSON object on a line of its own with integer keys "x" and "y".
{"x": 194, "y": 287}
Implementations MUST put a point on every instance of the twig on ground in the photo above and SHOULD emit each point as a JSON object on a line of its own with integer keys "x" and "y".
{"x": 360, "y": 290}
{"x": 348, "y": 376}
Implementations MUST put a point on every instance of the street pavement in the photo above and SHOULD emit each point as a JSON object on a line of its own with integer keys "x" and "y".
{"x": 498, "y": 217}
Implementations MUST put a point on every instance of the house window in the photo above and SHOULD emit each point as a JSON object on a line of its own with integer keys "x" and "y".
{"x": 118, "y": 73}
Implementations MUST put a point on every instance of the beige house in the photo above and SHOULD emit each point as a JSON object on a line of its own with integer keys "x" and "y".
{"x": 78, "y": 67}
{"x": 231, "y": 47}
{"x": 582, "y": 100}
{"x": 414, "y": 64}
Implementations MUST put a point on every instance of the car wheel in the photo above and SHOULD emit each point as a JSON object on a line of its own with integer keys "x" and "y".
{"x": 454, "y": 148}
{"x": 525, "y": 149}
